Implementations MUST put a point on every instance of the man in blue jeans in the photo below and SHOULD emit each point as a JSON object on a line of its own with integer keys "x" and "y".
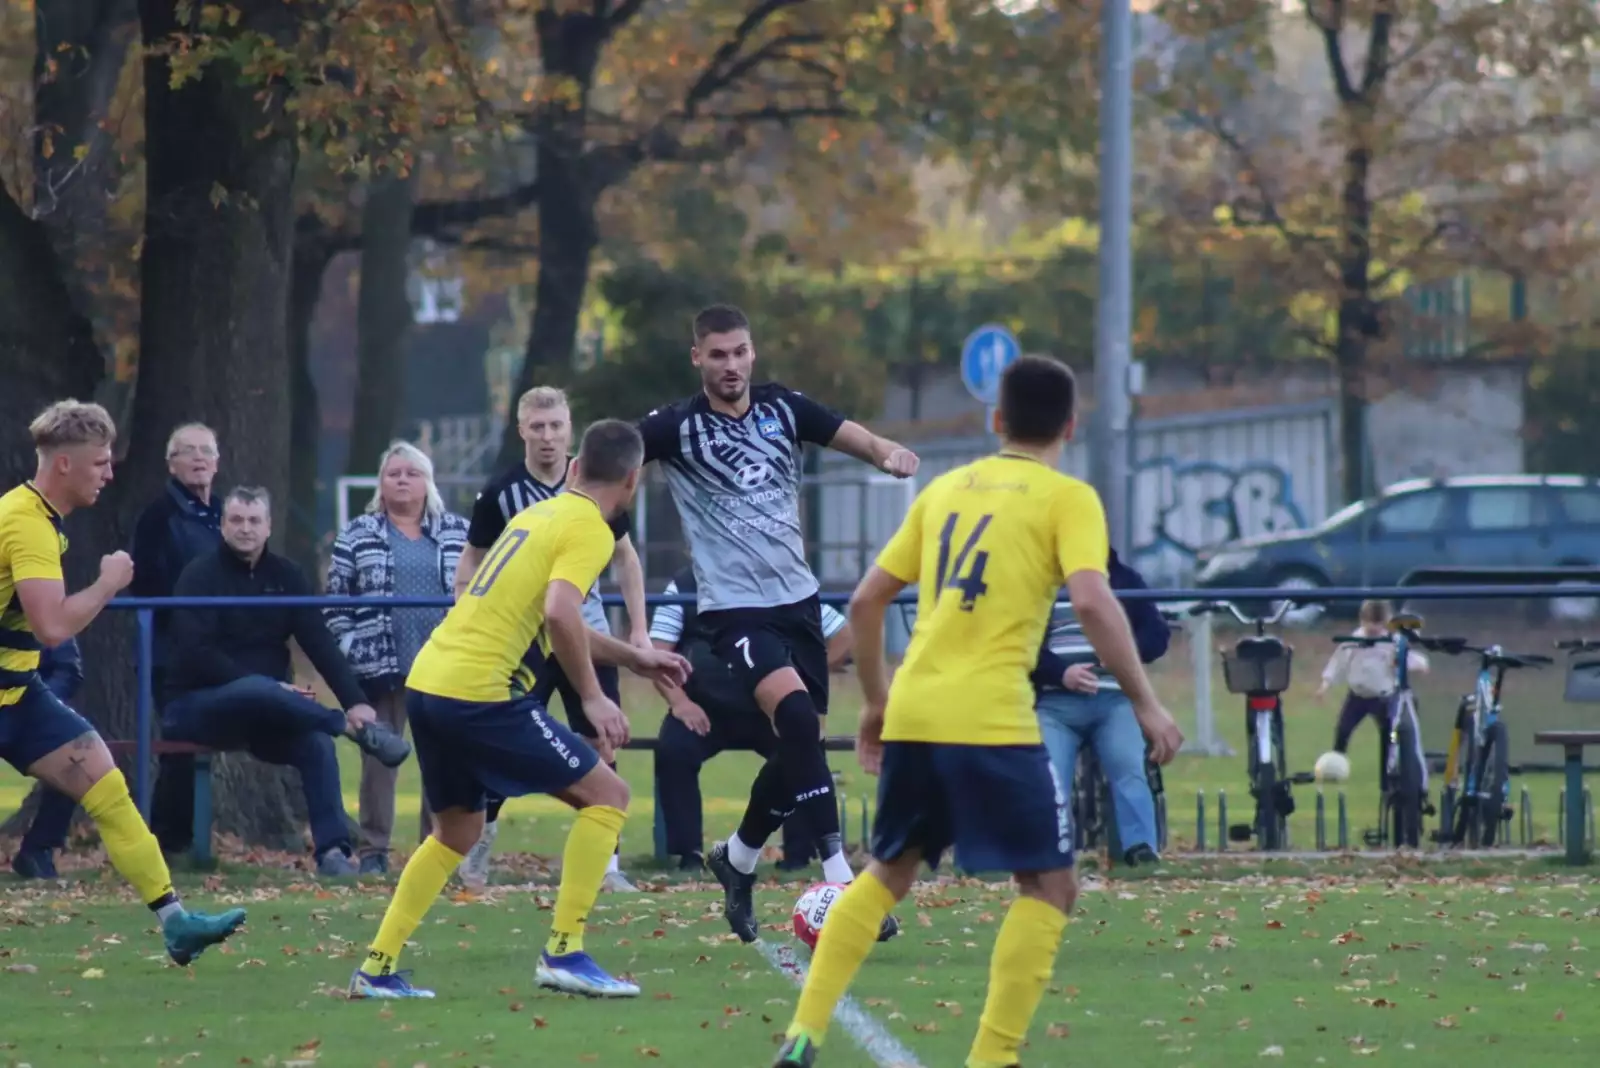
{"x": 229, "y": 687}
{"x": 1077, "y": 703}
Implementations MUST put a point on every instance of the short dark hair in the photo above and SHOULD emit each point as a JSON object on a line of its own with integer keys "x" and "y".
{"x": 611, "y": 451}
{"x": 1038, "y": 396}
{"x": 718, "y": 319}
{"x": 249, "y": 495}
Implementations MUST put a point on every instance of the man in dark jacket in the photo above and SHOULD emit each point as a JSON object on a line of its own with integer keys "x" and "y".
{"x": 710, "y": 715}
{"x": 231, "y": 688}
{"x": 184, "y": 522}
{"x": 61, "y": 669}
{"x": 1079, "y": 703}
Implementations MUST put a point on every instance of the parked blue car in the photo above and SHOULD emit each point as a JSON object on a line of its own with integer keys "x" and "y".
{"x": 1497, "y": 522}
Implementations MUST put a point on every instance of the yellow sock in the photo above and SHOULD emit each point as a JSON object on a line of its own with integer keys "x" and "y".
{"x": 590, "y": 843}
{"x": 846, "y": 939}
{"x": 426, "y": 873}
{"x": 1024, "y": 956}
{"x": 133, "y": 850}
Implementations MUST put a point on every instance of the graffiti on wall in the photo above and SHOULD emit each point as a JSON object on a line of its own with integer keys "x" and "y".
{"x": 1181, "y": 508}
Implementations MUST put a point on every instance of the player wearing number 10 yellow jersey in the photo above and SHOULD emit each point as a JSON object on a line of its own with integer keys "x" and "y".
{"x": 474, "y": 737}
{"x": 955, "y": 741}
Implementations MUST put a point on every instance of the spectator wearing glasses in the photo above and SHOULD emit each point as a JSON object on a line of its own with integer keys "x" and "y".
{"x": 406, "y": 545}
{"x": 232, "y": 689}
{"x": 184, "y": 522}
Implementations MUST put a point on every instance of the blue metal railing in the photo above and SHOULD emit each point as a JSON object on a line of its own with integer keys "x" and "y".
{"x": 146, "y": 607}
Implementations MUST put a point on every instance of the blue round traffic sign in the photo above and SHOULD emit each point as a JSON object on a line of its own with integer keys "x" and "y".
{"x": 987, "y": 352}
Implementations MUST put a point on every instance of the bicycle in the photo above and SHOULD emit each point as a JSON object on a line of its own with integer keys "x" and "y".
{"x": 1258, "y": 669}
{"x": 1403, "y": 800}
{"x": 1476, "y": 800}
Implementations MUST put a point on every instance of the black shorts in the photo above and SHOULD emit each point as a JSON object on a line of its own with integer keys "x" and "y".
{"x": 758, "y": 641}
{"x": 37, "y": 725}
{"x": 511, "y": 748}
{"x": 718, "y": 689}
{"x": 1000, "y": 806}
{"x": 551, "y": 680}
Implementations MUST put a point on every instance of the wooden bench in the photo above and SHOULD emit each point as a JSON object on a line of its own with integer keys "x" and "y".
{"x": 200, "y": 847}
{"x": 1572, "y": 744}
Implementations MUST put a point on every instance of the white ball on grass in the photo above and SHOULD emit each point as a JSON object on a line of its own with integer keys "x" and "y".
{"x": 1332, "y": 767}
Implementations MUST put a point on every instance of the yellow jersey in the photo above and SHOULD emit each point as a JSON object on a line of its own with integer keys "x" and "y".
{"x": 988, "y": 546}
{"x": 31, "y": 546}
{"x": 474, "y": 653}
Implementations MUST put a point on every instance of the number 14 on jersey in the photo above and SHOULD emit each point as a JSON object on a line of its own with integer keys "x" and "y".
{"x": 965, "y": 573}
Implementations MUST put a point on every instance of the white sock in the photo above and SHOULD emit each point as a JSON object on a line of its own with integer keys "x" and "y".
{"x": 612, "y": 865}
{"x": 742, "y": 857}
{"x": 169, "y": 910}
{"x": 836, "y": 869}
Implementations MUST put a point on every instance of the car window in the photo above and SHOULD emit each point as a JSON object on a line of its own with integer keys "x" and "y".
{"x": 1413, "y": 513}
{"x": 1581, "y": 505}
{"x": 1499, "y": 508}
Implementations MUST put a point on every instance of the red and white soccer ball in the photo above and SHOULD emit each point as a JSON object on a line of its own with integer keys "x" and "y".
{"x": 812, "y": 909}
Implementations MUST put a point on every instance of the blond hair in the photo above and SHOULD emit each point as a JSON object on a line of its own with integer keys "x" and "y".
{"x": 72, "y": 422}
{"x": 433, "y": 504}
{"x": 540, "y": 398}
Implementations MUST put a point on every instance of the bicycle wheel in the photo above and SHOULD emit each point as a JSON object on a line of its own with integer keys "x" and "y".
{"x": 1494, "y": 785}
{"x": 1269, "y": 820}
{"x": 1462, "y": 825}
{"x": 1407, "y": 808}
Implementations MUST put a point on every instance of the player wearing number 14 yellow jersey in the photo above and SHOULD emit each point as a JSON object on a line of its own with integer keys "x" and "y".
{"x": 955, "y": 741}
{"x": 474, "y": 737}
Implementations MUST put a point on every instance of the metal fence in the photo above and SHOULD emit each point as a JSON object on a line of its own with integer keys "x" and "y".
{"x": 1483, "y": 613}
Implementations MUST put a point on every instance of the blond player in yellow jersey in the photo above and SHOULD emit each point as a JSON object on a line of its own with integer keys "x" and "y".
{"x": 40, "y": 736}
{"x": 955, "y": 742}
{"x": 474, "y": 738}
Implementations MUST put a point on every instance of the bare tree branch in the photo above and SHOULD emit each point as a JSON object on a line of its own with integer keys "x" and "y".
{"x": 1270, "y": 215}
{"x": 436, "y": 218}
{"x": 1433, "y": 237}
{"x": 1330, "y": 28}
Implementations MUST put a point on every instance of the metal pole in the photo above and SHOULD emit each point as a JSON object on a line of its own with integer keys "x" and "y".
{"x": 145, "y": 706}
{"x": 1114, "y": 310}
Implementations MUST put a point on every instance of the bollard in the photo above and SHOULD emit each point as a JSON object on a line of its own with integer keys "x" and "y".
{"x": 1561, "y": 819}
{"x": 1222, "y": 821}
{"x": 1525, "y": 818}
{"x": 1322, "y": 822}
{"x": 1344, "y": 823}
{"x": 1200, "y": 821}
{"x": 1588, "y": 808}
{"x": 1447, "y": 810}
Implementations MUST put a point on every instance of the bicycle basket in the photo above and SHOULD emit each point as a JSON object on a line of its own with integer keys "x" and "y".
{"x": 1257, "y": 665}
{"x": 1583, "y": 682}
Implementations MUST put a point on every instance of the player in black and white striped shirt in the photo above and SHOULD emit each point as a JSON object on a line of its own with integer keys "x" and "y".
{"x": 545, "y": 423}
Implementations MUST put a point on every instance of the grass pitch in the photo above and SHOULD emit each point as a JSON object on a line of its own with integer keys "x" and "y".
{"x": 1186, "y": 970}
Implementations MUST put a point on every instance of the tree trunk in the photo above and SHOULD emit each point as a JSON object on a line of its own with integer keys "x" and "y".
{"x": 314, "y": 248}
{"x": 1358, "y": 318}
{"x": 383, "y": 314}
{"x": 569, "y": 233}
{"x": 219, "y": 235}
{"x": 80, "y": 49}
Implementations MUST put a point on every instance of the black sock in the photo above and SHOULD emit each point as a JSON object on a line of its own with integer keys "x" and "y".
{"x": 805, "y": 764}
{"x": 491, "y": 811}
{"x": 612, "y": 764}
{"x": 770, "y": 804}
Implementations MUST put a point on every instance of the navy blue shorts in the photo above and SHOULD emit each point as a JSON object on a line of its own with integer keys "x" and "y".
{"x": 468, "y": 751}
{"x": 1000, "y": 806}
{"x": 37, "y": 726}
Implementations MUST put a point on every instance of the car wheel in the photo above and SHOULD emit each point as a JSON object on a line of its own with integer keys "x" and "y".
{"x": 1300, "y": 615}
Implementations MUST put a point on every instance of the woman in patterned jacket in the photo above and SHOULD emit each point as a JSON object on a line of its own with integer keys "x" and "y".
{"x": 406, "y": 545}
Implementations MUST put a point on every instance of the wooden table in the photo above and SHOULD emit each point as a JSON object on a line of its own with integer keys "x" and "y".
{"x": 1572, "y": 744}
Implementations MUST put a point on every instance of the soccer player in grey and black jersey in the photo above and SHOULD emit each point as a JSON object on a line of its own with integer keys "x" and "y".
{"x": 731, "y": 454}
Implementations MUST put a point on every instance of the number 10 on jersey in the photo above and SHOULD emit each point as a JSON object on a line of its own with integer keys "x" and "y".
{"x": 965, "y": 573}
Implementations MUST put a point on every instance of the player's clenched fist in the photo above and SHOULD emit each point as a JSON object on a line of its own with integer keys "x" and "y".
{"x": 901, "y": 463}
{"x": 116, "y": 570}
{"x": 661, "y": 665}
